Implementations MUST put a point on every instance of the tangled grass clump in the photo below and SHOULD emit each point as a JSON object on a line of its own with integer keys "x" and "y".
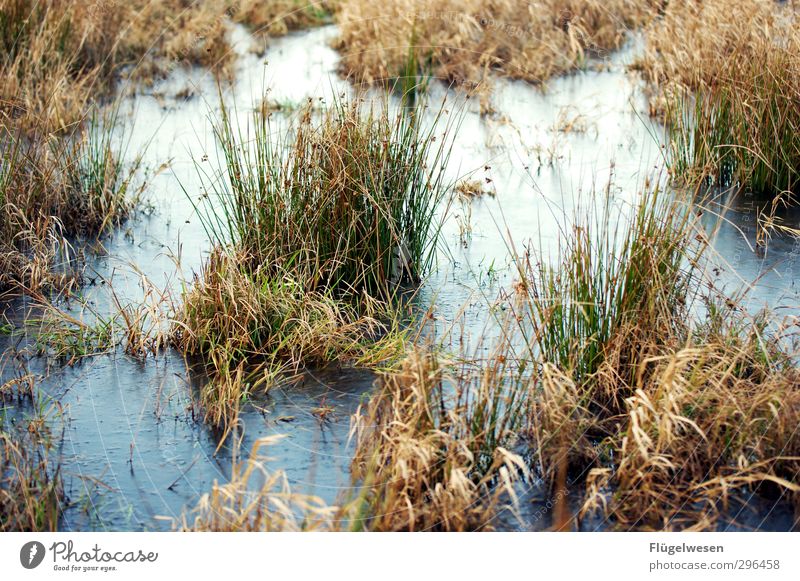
{"x": 729, "y": 92}
{"x": 461, "y": 41}
{"x": 672, "y": 400}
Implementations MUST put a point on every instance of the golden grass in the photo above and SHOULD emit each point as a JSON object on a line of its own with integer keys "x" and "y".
{"x": 728, "y": 89}
{"x": 706, "y": 421}
{"x": 700, "y": 43}
{"x": 278, "y": 17}
{"x": 667, "y": 400}
{"x": 433, "y": 448}
{"x": 59, "y": 55}
{"x": 424, "y": 460}
{"x": 461, "y": 41}
{"x": 60, "y": 61}
{"x": 255, "y": 499}
{"x": 29, "y": 492}
{"x": 30, "y": 478}
{"x": 251, "y": 327}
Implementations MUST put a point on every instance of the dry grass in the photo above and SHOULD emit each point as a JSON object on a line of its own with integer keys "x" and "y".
{"x": 60, "y": 61}
{"x": 278, "y": 17}
{"x": 433, "y": 447}
{"x": 255, "y": 499}
{"x": 251, "y": 327}
{"x": 716, "y": 38}
{"x": 59, "y": 55}
{"x": 672, "y": 401}
{"x": 729, "y": 90}
{"x": 287, "y": 287}
{"x": 60, "y": 175}
{"x": 29, "y": 491}
{"x": 706, "y": 422}
{"x": 426, "y": 459}
{"x": 30, "y": 479}
{"x": 461, "y": 41}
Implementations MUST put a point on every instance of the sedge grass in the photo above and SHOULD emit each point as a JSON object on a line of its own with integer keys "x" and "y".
{"x": 314, "y": 232}
{"x": 612, "y": 274}
{"x": 373, "y": 178}
{"x": 667, "y": 400}
{"x": 728, "y": 91}
{"x": 741, "y": 132}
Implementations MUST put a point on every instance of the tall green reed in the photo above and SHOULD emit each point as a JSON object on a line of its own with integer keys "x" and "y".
{"x": 742, "y": 129}
{"x": 616, "y": 275}
{"x": 347, "y": 200}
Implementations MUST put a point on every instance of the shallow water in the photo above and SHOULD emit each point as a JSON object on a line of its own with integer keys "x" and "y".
{"x": 133, "y": 449}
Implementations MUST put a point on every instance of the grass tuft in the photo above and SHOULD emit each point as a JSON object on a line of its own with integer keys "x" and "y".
{"x": 729, "y": 92}
{"x": 433, "y": 447}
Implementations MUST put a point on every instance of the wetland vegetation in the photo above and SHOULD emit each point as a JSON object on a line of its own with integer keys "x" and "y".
{"x": 520, "y": 335}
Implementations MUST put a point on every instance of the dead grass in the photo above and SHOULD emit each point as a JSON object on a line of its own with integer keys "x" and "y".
{"x": 672, "y": 405}
{"x": 60, "y": 63}
{"x": 278, "y": 17}
{"x": 30, "y": 478}
{"x": 717, "y": 37}
{"x": 255, "y": 499}
{"x": 250, "y": 327}
{"x": 433, "y": 447}
{"x": 286, "y": 287}
{"x": 57, "y": 191}
{"x": 728, "y": 91}
{"x": 426, "y": 459}
{"x": 462, "y": 41}
{"x": 29, "y": 491}
{"x": 707, "y": 421}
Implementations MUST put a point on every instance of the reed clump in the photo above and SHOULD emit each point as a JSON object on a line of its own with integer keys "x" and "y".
{"x": 618, "y": 290}
{"x": 30, "y": 487}
{"x": 434, "y": 447}
{"x": 53, "y": 191}
{"x": 461, "y": 41}
{"x": 615, "y": 267}
{"x": 669, "y": 397}
{"x": 60, "y": 174}
{"x": 314, "y": 232}
{"x": 373, "y": 177}
{"x": 729, "y": 92}
{"x": 250, "y": 327}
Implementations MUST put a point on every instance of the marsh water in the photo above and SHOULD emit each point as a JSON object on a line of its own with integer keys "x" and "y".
{"x": 134, "y": 451}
